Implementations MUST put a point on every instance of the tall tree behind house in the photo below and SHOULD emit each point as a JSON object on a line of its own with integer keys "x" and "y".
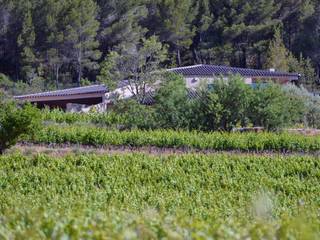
{"x": 201, "y": 23}
{"x": 52, "y": 39}
{"x": 81, "y": 29}
{"x": 61, "y": 38}
{"x": 120, "y": 22}
{"x": 172, "y": 20}
{"x": 242, "y": 28}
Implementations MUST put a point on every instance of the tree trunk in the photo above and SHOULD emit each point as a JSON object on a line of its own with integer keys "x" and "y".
{"x": 79, "y": 74}
{"x": 178, "y": 57}
{"x": 244, "y": 57}
{"x": 57, "y": 76}
{"x": 259, "y": 63}
{"x": 195, "y": 56}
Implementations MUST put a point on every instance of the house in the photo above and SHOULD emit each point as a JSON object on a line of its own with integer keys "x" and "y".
{"x": 195, "y": 74}
{"x": 89, "y": 95}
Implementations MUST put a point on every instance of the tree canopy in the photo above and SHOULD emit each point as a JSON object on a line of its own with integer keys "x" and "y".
{"x": 58, "y": 43}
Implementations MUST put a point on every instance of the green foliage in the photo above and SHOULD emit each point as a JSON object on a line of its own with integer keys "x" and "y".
{"x": 304, "y": 67}
{"x": 57, "y": 116}
{"x": 81, "y": 29}
{"x": 174, "y": 21}
{"x": 98, "y": 136}
{"x": 135, "y": 115}
{"x": 278, "y": 54}
{"x": 26, "y": 41}
{"x": 227, "y": 104}
{"x": 108, "y": 71}
{"x": 15, "y": 122}
{"x": 272, "y": 108}
{"x": 171, "y": 102}
{"x": 137, "y": 196}
{"x": 85, "y": 82}
{"x": 311, "y": 105}
{"x": 5, "y": 82}
{"x": 139, "y": 64}
{"x": 124, "y": 27}
{"x": 224, "y": 106}
{"x": 63, "y": 37}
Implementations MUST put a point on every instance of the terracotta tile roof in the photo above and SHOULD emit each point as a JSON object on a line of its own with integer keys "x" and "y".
{"x": 66, "y": 92}
{"x": 213, "y": 70}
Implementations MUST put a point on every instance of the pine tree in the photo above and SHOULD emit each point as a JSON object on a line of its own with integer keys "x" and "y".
{"x": 243, "y": 27}
{"x": 81, "y": 29}
{"x": 172, "y": 22}
{"x": 121, "y": 22}
{"x": 54, "y": 53}
{"x": 293, "y": 14}
{"x": 201, "y": 24}
{"x": 26, "y": 41}
{"x": 304, "y": 67}
{"x": 278, "y": 54}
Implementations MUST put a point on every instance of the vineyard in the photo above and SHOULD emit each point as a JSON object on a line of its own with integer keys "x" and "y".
{"x": 210, "y": 185}
{"x": 136, "y": 196}
{"x": 92, "y": 135}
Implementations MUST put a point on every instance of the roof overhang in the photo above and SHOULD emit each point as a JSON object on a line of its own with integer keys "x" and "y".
{"x": 60, "y": 98}
{"x": 94, "y": 91}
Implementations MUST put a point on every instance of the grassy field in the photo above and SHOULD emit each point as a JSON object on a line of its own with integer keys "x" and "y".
{"x": 138, "y": 196}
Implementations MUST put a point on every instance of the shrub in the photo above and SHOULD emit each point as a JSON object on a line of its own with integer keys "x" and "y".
{"x": 135, "y": 115}
{"x": 170, "y": 102}
{"x": 16, "y": 121}
{"x": 273, "y": 108}
{"x": 311, "y": 105}
{"x": 225, "y": 106}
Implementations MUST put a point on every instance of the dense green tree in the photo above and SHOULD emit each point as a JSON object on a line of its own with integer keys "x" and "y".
{"x": 271, "y": 108}
{"x": 223, "y": 107}
{"x": 120, "y": 22}
{"x": 201, "y": 24}
{"x": 139, "y": 65}
{"x": 81, "y": 29}
{"x": 304, "y": 67}
{"x": 16, "y": 121}
{"x": 26, "y": 41}
{"x": 54, "y": 50}
{"x": 240, "y": 30}
{"x": 278, "y": 55}
{"x": 172, "y": 20}
{"x": 293, "y": 14}
{"x": 59, "y": 40}
{"x": 171, "y": 102}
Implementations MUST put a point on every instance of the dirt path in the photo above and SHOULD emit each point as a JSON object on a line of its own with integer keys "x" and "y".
{"x": 66, "y": 149}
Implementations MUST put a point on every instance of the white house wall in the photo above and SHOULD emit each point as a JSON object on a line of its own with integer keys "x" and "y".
{"x": 191, "y": 82}
{"x": 194, "y": 82}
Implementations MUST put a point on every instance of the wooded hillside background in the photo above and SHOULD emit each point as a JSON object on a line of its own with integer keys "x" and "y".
{"x": 64, "y": 42}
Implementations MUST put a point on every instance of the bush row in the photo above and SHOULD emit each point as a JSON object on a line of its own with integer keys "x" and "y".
{"x": 177, "y": 139}
{"x": 227, "y": 104}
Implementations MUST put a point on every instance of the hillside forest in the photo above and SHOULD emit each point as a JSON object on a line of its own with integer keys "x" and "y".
{"x": 48, "y": 44}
